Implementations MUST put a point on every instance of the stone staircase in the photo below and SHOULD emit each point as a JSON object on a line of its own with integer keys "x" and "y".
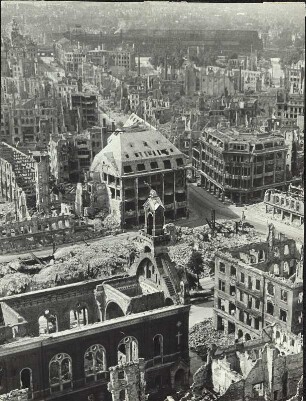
{"x": 169, "y": 285}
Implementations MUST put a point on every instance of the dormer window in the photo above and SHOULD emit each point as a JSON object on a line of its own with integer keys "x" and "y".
{"x": 179, "y": 162}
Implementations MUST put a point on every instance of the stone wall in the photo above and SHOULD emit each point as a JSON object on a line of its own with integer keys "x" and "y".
{"x": 30, "y": 234}
{"x": 59, "y": 301}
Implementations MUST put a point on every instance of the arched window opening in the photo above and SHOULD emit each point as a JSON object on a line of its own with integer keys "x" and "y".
{"x": 47, "y": 323}
{"x": 113, "y": 311}
{"x": 26, "y": 381}
{"x": 122, "y": 395}
{"x": 276, "y": 269}
{"x": 168, "y": 302}
{"x": 94, "y": 362}
{"x": 247, "y": 337}
{"x": 240, "y": 334}
{"x": 78, "y": 317}
{"x": 286, "y": 250}
{"x": 128, "y": 350}
{"x": 60, "y": 372}
{"x": 150, "y": 224}
{"x": 158, "y": 348}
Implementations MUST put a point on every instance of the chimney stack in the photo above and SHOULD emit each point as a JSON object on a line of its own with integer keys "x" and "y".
{"x": 138, "y": 65}
{"x": 113, "y": 126}
{"x": 166, "y": 68}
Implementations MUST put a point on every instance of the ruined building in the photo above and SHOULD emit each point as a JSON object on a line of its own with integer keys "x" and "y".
{"x": 105, "y": 338}
{"x": 240, "y": 164}
{"x": 134, "y": 161}
{"x": 268, "y": 368}
{"x": 257, "y": 285}
{"x": 24, "y": 179}
{"x": 289, "y": 206}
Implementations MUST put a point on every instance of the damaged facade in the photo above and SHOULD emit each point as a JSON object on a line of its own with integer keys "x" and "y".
{"x": 24, "y": 179}
{"x": 98, "y": 338}
{"x": 268, "y": 368}
{"x": 258, "y": 285}
{"x": 288, "y": 205}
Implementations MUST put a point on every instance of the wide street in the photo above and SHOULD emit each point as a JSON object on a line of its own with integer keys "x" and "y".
{"x": 201, "y": 203}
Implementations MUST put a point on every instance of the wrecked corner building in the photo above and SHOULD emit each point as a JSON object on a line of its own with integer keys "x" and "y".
{"x": 287, "y": 205}
{"x": 134, "y": 161}
{"x": 257, "y": 285}
{"x": 268, "y": 368}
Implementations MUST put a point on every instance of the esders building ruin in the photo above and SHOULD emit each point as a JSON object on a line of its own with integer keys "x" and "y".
{"x": 64, "y": 343}
{"x": 135, "y": 160}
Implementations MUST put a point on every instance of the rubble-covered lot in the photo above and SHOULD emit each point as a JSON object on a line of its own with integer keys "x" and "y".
{"x": 202, "y": 335}
{"x": 100, "y": 259}
{"x": 105, "y": 257}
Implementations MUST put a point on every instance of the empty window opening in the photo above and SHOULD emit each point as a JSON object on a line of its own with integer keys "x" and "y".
{"x": 270, "y": 308}
{"x": 128, "y": 350}
{"x": 94, "y": 362}
{"x": 47, "y": 323}
{"x": 221, "y": 285}
{"x": 141, "y": 167}
{"x": 78, "y": 317}
{"x": 127, "y": 169}
{"x": 158, "y": 345}
{"x": 283, "y": 315}
{"x": 60, "y": 372}
{"x": 270, "y": 288}
{"x": 284, "y": 295}
{"x": 26, "y": 380}
{"x": 221, "y": 267}
{"x": 167, "y": 164}
{"x": 154, "y": 165}
{"x": 121, "y": 375}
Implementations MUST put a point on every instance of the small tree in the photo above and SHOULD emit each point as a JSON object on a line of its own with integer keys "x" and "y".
{"x": 196, "y": 264}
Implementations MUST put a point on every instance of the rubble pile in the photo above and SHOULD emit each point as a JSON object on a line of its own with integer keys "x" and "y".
{"x": 200, "y": 238}
{"x": 109, "y": 255}
{"x": 100, "y": 259}
{"x": 203, "y": 334}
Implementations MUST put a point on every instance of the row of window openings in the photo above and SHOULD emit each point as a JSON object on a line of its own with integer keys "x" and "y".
{"x": 60, "y": 366}
{"x": 247, "y": 319}
{"x": 154, "y": 165}
{"x": 242, "y": 278}
{"x": 270, "y": 311}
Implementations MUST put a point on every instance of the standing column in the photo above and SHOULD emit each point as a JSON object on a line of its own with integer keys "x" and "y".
{"x": 136, "y": 199}
{"x": 174, "y": 201}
